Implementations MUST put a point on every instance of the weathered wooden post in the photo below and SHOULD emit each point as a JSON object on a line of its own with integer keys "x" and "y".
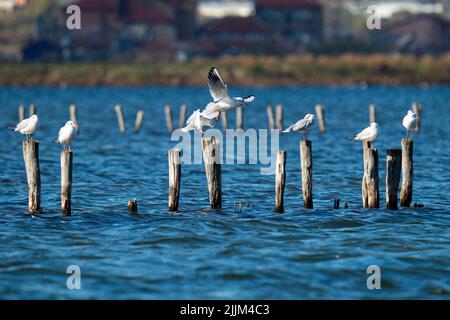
{"x": 33, "y": 109}
{"x": 73, "y": 112}
{"x": 182, "y": 116}
{"x": 307, "y": 167}
{"x": 66, "y": 181}
{"x": 132, "y": 205}
{"x": 120, "y": 121}
{"x": 31, "y": 159}
{"x": 211, "y": 155}
{"x": 280, "y": 180}
{"x": 336, "y": 203}
{"x": 407, "y": 172}
{"x": 393, "y": 170}
{"x": 138, "y": 123}
{"x": 279, "y": 115}
{"x": 417, "y": 109}
{"x": 21, "y": 112}
{"x": 372, "y": 113}
{"x": 223, "y": 116}
{"x": 320, "y": 113}
{"x": 168, "y": 115}
{"x": 239, "y": 118}
{"x": 174, "y": 178}
{"x": 270, "y": 117}
{"x": 370, "y": 181}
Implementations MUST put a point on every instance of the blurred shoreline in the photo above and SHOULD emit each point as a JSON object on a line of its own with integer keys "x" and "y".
{"x": 348, "y": 69}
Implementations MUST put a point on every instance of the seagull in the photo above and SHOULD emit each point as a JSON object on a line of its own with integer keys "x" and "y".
{"x": 67, "y": 133}
{"x": 304, "y": 125}
{"x": 222, "y": 102}
{"x": 369, "y": 134}
{"x": 197, "y": 121}
{"x": 409, "y": 122}
{"x": 27, "y": 126}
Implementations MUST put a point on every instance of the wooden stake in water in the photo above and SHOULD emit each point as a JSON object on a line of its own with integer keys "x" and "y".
{"x": 174, "y": 178}
{"x": 417, "y": 109}
{"x": 407, "y": 172}
{"x": 239, "y": 118}
{"x": 138, "y": 123}
{"x": 370, "y": 181}
{"x": 21, "y": 112}
{"x": 168, "y": 115}
{"x": 66, "y": 181}
{"x": 33, "y": 109}
{"x": 120, "y": 121}
{"x": 132, "y": 205}
{"x": 320, "y": 113}
{"x": 307, "y": 167}
{"x": 211, "y": 155}
{"x": 372, "y": 113}
{"x": 280, "y": 180}
{"x": 31, "y": 159}
{"x": 279, "y": 114}
{"x": 73, "y": 113}
{"x": 182, "y": 117}
{"x": 393, "y": 171}
{"x": 223, "y": 116}
{"x": 270, "y": 117}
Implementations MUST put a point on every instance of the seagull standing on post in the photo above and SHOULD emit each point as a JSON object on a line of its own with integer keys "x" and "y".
{"x": 27, "y": 126}
{"x": 67, "y": 133}
{"x": 222, "y": 101}
{"x": 409, "y": 122}
{"x": 304, "y": 125}
{"x": 369, "y": 134}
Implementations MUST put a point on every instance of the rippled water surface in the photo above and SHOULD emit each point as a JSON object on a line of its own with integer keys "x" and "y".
{"x": 204, "y": 253}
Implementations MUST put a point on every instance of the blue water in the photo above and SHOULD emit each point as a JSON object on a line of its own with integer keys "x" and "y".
{"x": 226, "y": 254}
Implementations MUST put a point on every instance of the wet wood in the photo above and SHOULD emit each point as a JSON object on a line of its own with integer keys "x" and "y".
{"x": 174, "y": 178}
{"x": 320, "y": 113}
{"x": 168, "y": 116}
{"x": 270, "y": 117}
{"x": 239, "y": 118}
{"x": 280, "y": 180}
{"x": 307, "y": 167}
{"x": 120, "y": 121}
{"x": 372, "y": 113}
{"x": 182, "y": 116}
{"x": 138, "y": 123}
{"x": 279, "y": 117}
{"x": 223, "y": 116}
{"x": 132, "y": 205}
{"x": 31, "y": 159}
{"x": 393, "y": 172}
{"x": 336, "y": 203}
{"x": 21, "y": 112}
{"x": 407, "y": 172}
{"x": 211, "y": 156}
{"x": 66, "y": 181}
{"x": 370, "y": 181}
{"x": 417, "y": 109}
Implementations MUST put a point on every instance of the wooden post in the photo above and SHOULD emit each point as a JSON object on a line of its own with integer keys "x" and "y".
{"x": 417, "y": 109}
{"x": 182, "y": 116}
{"x": 345, "y": 205}
{"x": 280, "y": 180}
{"x": 174, "y": 178}
{"x": 270, "y": 117}
{"x": 73, "y": 112}
{"x": 21, "y": 112}
{"x": 118, "y": 109}
{"x": 239, "y": 118}
{"x": 307, "y": 167}
{"x": 393, "y": 169}
{"x": 132, "y": 205}
{"x": 32, "y": 109}
{"x": 223, "y": 116}
{"x": 138, "y": 123}
{"x": 336, "y": 203}
{"x": 279, "y": 114}
{"x": 407, "y": 172}
{"x": 31, "y": 159}
{"x": 211, "y": 154}
{"x": 168, "y": 114}
{"x": 66, "y": 181}
{"x": 372, "y": 113}
{"x": 320, "y": 113}
{"x": 370, "y": 187}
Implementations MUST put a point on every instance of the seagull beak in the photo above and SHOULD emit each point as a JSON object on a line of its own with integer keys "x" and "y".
{"x": 75, "y": 125}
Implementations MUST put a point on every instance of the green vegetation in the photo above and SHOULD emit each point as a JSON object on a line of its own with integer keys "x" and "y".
{"x": 242, "y": 70}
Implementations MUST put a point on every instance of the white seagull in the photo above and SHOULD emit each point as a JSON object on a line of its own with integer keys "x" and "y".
{"x": 369, "y": 134}
{"x": 222, "y": 102}
{"x": 67, "y": 133}
{"x": 197, "y": 121}
{"x": 409, "y": 122}
{"x": 27, "y": 126}
{"x": 304, "y": 125}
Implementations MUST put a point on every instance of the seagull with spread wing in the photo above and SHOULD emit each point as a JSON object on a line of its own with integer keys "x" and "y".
{"x": 304, "y": 125}
{"x": 197, "y": 121}
{"x": 222, "y": 101}
{"x": 27, "y": 126}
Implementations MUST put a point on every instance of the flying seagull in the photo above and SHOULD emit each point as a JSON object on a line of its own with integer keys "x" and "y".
{"x": 27, "y": 126}
{"x": 67, "y": 133}
{"x": 197, "y": 121}
{"x": 304, "y": 125}
{"x": 222, "y": 101}
{"x": 409, "y": 122}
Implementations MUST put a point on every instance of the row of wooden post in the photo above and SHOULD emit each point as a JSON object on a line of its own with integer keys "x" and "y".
{"x": 32, "y": 110}
{"x": 121, "y": 122}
